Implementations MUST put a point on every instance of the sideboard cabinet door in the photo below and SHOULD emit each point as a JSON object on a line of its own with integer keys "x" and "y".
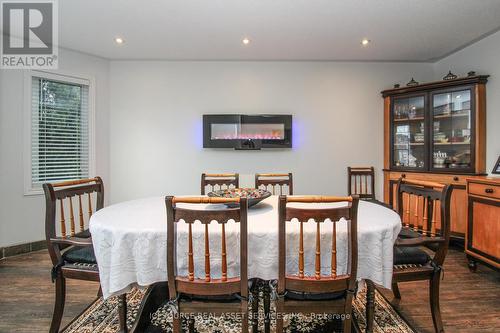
{"x": 483, "y": 225}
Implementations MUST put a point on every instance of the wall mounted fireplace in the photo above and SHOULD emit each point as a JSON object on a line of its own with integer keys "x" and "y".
{"x": 250, "y": 132}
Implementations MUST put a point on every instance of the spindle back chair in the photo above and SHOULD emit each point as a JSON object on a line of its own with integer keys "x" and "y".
{"x": 411, "y": 255}
{"x": 218, "y": 181}
{"x": 361, "y": 181}
{"x": 73, "y": 202}
{"x": 430, "y": 221}
{"x": 68, "y": 208}
{"x": 332, "y": 293}
{"x": 276, "y": 183}
{"x": 204, "y": 293}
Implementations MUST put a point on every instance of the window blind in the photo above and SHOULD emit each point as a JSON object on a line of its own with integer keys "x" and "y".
{"x": 59, "y": 131}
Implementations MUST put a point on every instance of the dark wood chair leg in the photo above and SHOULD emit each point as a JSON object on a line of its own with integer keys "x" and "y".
{"x": 279, "y": 315}
{"x": 122, "y": 313}
{"x": 267, "y": 308}
{"x": 244, "y": 317}
{"x": 255, "y": 309}
{"x": 59, "y": 304}
{"x": 347, "y": 324}
{"x": 191, "y": 323}
{"x": 176, "y": 323}
{"x": 395, "y": 290}
{"x": 370, "y": 305}
{"x": 434, "y": 300}
{"x": 279, "y": 324}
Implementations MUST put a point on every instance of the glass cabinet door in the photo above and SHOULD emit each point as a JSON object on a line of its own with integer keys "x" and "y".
{"x": 408, "y": 133}
{"x": 451, "y": 131}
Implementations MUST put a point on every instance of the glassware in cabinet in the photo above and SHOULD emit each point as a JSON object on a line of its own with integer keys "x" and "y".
{"x": 408, "y": 132}
{"x": 451, "y": 130}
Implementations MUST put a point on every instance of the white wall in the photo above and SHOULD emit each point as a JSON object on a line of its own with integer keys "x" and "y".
{"x": 482, "y": 57}
{"x": 22, "y": 217}
{"x": 149, "y": 133}
{"x": 157, "y": 108}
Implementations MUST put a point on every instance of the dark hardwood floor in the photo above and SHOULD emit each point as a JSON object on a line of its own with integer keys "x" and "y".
{"x": 27, "y": 294}
{"x": 470, "y": 302}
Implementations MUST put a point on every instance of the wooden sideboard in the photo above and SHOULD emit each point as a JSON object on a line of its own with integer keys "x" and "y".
{"x": 458, "y": 213}
{"x": 482, "y": 240}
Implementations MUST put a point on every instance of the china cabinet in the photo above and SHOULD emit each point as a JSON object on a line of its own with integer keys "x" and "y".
{"x": 436, "y": 131}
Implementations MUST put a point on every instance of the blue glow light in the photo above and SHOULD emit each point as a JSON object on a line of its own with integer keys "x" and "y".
{"x": 296, "y": 133}
{"x": 198, "y": 133}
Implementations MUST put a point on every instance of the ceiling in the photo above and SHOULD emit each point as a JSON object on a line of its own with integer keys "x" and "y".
{"x": 399, "y": 30}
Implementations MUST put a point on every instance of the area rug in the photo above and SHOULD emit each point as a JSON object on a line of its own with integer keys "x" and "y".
{"x": 102, "y": 317}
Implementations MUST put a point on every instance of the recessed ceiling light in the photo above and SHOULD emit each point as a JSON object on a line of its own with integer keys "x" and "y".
{"x": 119, "y": 40}
{"x": 245, "y": 41}
{"x": 365, "y": 42}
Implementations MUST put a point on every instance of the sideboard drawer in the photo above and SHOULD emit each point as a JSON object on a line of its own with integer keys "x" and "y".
{"x": 485, "y": 190}
{"x": 460, "y": 180}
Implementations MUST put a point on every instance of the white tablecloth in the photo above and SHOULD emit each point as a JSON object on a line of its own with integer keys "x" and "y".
{"x": 130, "y": 244}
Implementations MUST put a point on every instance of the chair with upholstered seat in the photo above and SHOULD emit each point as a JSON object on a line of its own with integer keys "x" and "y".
{"x": 277, "y": 183}
{"x": 193, "y": 295}
{"x": 218, "y": 181}
{"x": 420, "y": 250}
{"x": 320, "y": 293}
{"x": 70, "y": 249}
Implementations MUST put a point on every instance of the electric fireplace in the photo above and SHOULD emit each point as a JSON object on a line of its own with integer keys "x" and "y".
{"x": 247, "y": 131}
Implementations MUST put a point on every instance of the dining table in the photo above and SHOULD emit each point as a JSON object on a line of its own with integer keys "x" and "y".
{"x": 130, "y": 238}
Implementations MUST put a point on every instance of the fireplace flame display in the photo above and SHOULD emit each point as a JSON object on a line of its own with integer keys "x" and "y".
{"x": 247, "y": 131}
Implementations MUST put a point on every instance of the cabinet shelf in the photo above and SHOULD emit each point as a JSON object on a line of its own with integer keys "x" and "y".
{"x": 452, "y": 115}
{"x": 451, "y": 143}
{"x": 408, "y": 119}
{"x": 405, "y": 145}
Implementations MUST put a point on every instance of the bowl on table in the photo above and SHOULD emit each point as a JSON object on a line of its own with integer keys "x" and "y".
{"x": 253, "y": 195}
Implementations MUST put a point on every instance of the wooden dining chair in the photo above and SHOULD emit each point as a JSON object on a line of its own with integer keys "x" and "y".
{"x": 332, "y": 293}
{"x": 361, "y": 181}
{"x": 428, "y": 235}
{"x": 219, "y": 181}
{"x": 69, "y": 242}
{"x": 277, "y": 183}
{"x": 196, "y": 295}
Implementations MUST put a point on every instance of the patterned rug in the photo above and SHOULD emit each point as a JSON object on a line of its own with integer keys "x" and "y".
{"x": 102, "y": 317}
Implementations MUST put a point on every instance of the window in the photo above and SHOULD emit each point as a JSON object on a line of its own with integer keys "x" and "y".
{"x": 60, "y": 129}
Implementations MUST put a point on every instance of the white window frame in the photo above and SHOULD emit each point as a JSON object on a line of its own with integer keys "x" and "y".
{"x": 29, "y": 189}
